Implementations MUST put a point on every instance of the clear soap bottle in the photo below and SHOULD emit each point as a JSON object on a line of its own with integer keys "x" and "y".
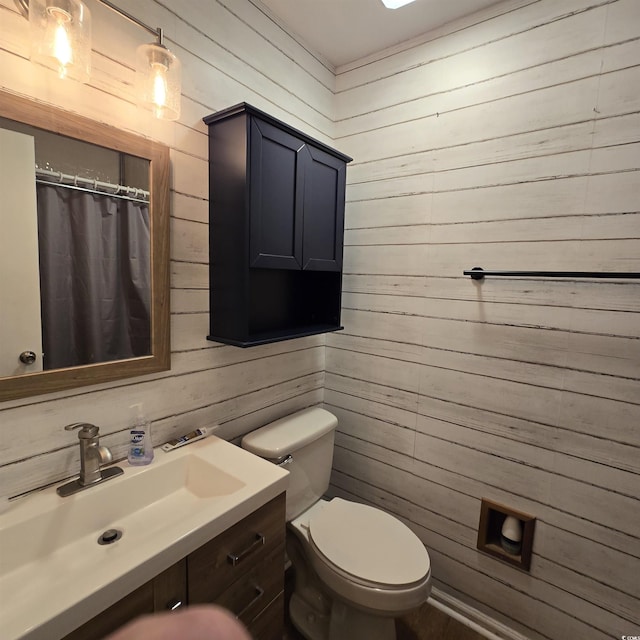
{"x": 140, "y": 446}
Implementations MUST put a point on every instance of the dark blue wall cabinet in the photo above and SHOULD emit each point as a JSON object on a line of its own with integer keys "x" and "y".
{"x": 276, "y": 226}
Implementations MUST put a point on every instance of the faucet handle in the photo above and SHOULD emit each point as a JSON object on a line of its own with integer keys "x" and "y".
{"x": 86, "y": 430}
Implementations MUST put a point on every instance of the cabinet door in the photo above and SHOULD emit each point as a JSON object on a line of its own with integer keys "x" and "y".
{"x": 276, "y": 197}
{"x": 324, "y": 191}
{"x": 167, "y": 591}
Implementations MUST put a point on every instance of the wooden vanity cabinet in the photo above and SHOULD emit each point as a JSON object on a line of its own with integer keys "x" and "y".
{"x": 276, "y": 225}
{"x": 242, "y": 570}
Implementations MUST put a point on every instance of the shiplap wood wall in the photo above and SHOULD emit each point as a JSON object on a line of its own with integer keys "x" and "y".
{"x": 231, "y": 51}
{"x": 508, "y": 140}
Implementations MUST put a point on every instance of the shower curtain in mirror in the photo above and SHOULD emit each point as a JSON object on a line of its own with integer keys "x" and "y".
{"x": 95, "y": 276}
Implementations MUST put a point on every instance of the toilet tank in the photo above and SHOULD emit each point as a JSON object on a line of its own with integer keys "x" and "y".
{"x": 307, "y": 436}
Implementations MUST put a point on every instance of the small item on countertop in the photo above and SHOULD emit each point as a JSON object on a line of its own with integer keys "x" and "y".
{"x": 140, "y": 445}
{"x": 188, "y": 438}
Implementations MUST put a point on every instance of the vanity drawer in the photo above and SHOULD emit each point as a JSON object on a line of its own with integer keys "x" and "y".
{"x": 234, "y": 553}
{"x": 269, "y": 625}
{"x": 249, "y": 595}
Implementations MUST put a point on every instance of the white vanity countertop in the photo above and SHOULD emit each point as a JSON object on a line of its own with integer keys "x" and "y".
{"x": 54, "y": 576}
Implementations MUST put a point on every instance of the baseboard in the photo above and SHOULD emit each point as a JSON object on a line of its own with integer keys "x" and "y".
{"x": 480, "y": 622}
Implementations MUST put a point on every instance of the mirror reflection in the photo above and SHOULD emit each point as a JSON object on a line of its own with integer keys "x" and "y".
{"x": 78, "y": 239}
{"x": 84, "y": 251}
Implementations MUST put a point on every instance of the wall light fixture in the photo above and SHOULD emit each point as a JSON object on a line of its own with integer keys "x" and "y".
{"x": 61, "y": 39}
{"x": 158, "y": 72}
{"x": 60, "y": 33}
{"x": 396, "y": 4}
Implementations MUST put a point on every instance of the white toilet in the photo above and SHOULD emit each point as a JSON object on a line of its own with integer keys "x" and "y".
{"x": 356, "y": 567}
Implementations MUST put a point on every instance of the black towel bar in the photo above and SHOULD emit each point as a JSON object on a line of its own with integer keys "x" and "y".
{"x": 478, "y": 273}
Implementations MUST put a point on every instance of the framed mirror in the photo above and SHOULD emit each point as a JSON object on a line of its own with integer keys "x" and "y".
{"x": 84, "y": 251}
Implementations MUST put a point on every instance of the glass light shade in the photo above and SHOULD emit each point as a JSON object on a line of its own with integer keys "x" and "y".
{"x": 158, "y": 79}
{"x": 60, "y": 33}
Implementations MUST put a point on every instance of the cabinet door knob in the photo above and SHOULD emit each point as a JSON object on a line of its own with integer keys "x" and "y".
{"x": 235, "y": 558}
{"x": 259, "y": 593}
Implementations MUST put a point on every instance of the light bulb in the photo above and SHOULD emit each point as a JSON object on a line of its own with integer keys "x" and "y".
{"x": 62, "y": 49}
{"x": 158, "y": 80}
{"x": 159, "y": 88}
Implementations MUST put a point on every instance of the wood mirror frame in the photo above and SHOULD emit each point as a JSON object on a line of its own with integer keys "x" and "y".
{"x": 43, "y": 116}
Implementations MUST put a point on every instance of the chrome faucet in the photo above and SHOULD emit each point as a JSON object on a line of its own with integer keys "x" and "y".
{"x": 92, "y": 456}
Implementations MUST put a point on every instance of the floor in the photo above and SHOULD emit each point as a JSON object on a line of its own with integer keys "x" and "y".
{"x": 427, "y": 623}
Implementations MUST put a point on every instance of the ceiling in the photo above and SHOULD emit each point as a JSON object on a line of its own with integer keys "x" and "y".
{"x": 345, "y": 30}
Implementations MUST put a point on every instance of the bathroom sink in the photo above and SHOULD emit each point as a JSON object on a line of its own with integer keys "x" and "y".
{"x": 53, "y": 573}
{"x": 152, "y": 495}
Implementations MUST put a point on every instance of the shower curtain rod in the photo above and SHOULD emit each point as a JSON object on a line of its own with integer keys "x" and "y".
{"x": 478, "y": 273}
{"x": 57, "y": 178}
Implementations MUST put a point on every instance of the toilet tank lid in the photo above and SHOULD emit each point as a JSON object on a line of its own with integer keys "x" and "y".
{"x": 290, "y": 433}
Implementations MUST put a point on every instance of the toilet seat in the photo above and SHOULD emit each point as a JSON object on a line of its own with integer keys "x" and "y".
{"x": 387, "y": 593}
{"x": 370, "y": 546}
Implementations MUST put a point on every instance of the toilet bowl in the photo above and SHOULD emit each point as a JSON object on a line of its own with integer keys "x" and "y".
{"x": 356, "y": 567}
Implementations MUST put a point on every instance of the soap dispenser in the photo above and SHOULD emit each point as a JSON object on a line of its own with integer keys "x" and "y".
{"x": 140, "y": 446}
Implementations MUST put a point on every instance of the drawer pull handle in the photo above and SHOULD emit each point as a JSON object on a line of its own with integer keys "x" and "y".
{"x": 173, "y": 605}
{"x": 259, "y": 594}
{"x": 235, "y": 558}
